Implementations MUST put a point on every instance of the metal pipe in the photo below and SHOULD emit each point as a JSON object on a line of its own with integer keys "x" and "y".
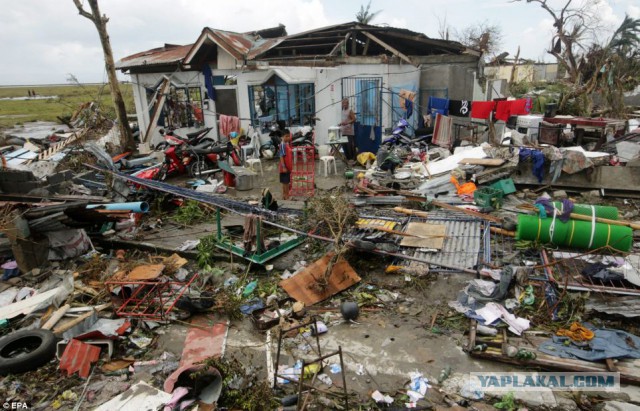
{"x": 137, "y": 207}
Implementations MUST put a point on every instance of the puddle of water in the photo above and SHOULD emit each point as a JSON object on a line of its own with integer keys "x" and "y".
{"x": 36, "y": 130}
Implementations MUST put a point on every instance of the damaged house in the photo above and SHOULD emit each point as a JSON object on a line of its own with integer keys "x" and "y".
{"x": 265, "y": 76}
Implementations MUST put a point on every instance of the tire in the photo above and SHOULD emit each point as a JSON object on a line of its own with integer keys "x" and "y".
{"x": 161, "y": 146}
{"x": 18, "y": 141}
{"x": 26, "y": 350}
{"x": 198, "y": 167}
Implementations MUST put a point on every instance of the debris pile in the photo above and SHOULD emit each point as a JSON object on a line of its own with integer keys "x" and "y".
{"x": 156, "y": 279}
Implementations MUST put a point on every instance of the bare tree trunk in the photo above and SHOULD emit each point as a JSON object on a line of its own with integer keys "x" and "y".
{"x": 514, "y": 71}
{"x": 126, "y": 138}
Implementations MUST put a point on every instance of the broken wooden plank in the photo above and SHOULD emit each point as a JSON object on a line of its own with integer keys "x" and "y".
{"x": 386, "y": 46}
{"x": 56, "y": 316}
{"x": 465, "y": 211}
{"x": 310, "y": 287}
{"x": 145, "y": 272}
{"x": 627, "y": 374}
{"x": 70, "y": 324}
{"x": 409, "y": 211}
{"x": 495, "y": 162}
{"x": 161, "y": 96}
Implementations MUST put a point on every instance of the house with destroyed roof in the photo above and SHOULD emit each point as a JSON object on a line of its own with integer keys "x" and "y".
{"x": 266, "y": 76}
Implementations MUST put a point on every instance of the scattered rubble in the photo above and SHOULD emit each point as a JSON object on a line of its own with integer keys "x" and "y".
{"x": 139, "y": 289}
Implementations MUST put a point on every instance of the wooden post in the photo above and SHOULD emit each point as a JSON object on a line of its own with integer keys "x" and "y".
{"x": 100, "y": 21}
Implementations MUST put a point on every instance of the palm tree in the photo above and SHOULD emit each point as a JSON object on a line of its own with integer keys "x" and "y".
{"x": 627, "y": 36}
{"x": 364, "y": 16}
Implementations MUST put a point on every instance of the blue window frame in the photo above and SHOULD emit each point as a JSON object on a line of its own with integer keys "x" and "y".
{"x": 276, "y": 100}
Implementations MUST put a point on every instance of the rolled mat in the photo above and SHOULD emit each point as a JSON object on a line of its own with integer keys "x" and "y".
{"x": 608, "y": 212}
{"x": 574, "y": 233}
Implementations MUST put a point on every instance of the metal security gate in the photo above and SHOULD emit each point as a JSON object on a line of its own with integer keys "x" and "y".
{"x": 365, "y": 98}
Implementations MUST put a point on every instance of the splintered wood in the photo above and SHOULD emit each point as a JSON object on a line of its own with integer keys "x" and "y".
{"x": 305, "y": 286}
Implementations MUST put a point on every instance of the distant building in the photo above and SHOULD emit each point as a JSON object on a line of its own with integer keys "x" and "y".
{"x": 529, "y": 71}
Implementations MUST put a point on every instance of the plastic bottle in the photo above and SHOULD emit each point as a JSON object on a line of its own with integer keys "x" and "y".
{"x": 444, "y": 374}
{"x": 249, "y": 288}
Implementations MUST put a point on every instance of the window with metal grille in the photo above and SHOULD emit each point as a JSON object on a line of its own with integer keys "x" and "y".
{"x": 365, "y": 98}
{"x": 276, "y": 100}
{"x": 182, "y": 107}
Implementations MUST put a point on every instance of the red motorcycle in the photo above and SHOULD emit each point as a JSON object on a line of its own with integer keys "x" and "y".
{"x": 195, "y": 138}
{"x": 208, "y": 157}
{"x": 182, "y": 158}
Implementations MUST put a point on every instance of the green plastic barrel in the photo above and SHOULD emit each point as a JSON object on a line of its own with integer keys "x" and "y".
{"x": 574, "y": 233}
{"x": 584, "y": 209}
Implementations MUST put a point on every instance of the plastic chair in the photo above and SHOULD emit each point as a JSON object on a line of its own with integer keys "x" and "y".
{"x": 326, "y": 160}
{"x": 246, "y": 152}
{"x": 250, "y": 162}
{"x": 251, "y": 150}
{"x": 324, "y": 150}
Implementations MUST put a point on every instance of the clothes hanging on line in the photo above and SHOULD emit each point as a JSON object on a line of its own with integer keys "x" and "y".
{"x": 459, "y": 108}
{"x": 438, "y": 105}
{"x": 482, "y": 109}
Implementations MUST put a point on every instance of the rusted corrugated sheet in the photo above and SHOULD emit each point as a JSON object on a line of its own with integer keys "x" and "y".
{"x": 262, "y": 47}
{"x": 203, "y": 341}
{"x": 241, "y": 43}
{"x": 169, "y": 54}
{"x": 79, "y": 356}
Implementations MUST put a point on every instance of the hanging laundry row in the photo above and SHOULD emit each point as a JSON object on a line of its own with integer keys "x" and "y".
{"x": 502, "y": 109}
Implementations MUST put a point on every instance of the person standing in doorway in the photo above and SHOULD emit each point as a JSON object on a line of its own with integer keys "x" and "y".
{"x": 285, "y": 152}
{"x": 347, "y": 130}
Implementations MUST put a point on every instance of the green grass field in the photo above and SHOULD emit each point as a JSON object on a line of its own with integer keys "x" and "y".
{"x": 68, "y": 99}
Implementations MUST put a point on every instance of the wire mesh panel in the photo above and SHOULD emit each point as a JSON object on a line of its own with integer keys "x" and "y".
{"x": 568, "y": 270}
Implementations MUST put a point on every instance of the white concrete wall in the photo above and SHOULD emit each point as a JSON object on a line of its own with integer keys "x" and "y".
{"x": 327, "y": 84}
{"x": 225, "y": 60}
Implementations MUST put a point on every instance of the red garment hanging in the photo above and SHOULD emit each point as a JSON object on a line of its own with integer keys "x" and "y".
{"x": 519, "y": 107}
{"x": 482, "y": 109}
{"x": 504, "y": 110}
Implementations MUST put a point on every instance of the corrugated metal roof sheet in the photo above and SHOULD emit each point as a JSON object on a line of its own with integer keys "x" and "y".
{"x": 79, "y": 356}
{"x": 462, "y": 244}
{"x": 626, "y": 306}
{"x": 240, "y": 42}
{"x": 262, "y": 46}
{"x": 251, "y": 46}
{"x": 169, "y": 54}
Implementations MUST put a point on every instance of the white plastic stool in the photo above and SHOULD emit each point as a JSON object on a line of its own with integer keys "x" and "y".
{"x": 326, "y": 160}
{"x": 251, "y": 161}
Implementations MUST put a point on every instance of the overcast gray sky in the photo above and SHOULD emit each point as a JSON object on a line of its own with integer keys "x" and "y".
{"x": 42, "y": 41}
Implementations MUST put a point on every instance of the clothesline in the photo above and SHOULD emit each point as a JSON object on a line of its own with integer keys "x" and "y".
{"x": 499, "y": 110}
